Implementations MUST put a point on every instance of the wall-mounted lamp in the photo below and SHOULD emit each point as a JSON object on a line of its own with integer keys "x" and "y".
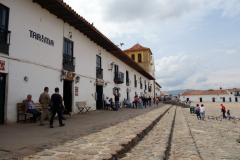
{"x": 63, "y": 76}
{"x": 111, "y": 66}
{"x": 99, "y": 52}
{"x": 77, "y": 79}
{"x": 70, "y": 35}
{"x": 105, "y": 84}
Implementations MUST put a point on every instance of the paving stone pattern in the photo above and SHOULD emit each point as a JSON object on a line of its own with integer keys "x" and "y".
{"x": 182, "y": 145}
{"x": 214, "y": 139}
{"x": 153, "y": 146}
{"x": 106, "y": 144}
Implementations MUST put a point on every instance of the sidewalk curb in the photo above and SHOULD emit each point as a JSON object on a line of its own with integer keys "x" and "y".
{"x": 134, "y": 139}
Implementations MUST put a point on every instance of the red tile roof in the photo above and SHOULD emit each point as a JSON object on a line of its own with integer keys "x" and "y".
{"x": 206, "y": 92}
{"x": 137, "y": 47}
{"x": 164, "y": 94}
{"x": 233, "y": 90}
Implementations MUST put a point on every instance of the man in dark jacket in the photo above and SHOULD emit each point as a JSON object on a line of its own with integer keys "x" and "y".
{"x": 116, "y": 98}
{"x": 56, "y": 108}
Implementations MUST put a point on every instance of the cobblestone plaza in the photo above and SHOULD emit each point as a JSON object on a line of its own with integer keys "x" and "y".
{"x": 166, "y": 132}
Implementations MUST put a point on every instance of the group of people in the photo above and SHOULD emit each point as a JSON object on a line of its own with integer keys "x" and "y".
{"x": 56, "y": 106}
{"x": 138, "y": 100}
{"x": 109, "y": 102}
{"x": 223, "y": 110}
{"x": 200, "y": 111}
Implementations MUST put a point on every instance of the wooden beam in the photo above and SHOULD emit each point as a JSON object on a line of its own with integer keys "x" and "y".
{"x": 49, "y": 5}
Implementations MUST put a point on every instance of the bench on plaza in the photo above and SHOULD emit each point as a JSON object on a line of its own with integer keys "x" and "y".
{"x": 20, "y": 111}
{"x": 83, "y": 106}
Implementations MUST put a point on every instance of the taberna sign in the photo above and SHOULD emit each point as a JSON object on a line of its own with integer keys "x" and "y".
{"x": 41, "y": 38}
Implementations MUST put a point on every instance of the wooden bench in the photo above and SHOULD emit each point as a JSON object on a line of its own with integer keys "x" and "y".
{"x": 81, "y": 106}
{"x": 20, "y": 111}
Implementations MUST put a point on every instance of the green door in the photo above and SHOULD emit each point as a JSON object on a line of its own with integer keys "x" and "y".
{"x": 99, "y": 102}
{"x": 2, "y": 96}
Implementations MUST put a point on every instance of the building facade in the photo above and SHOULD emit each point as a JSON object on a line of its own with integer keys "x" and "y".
{"x": 144, "y": 57}
{"x": 46, "y": 43}
{"x": 221, "y": 95}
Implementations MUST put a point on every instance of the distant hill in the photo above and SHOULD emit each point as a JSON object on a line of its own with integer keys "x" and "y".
{"x": 176, "y": 92}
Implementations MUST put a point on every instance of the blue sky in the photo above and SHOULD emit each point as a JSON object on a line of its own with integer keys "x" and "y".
{"x": 195, "y": 43}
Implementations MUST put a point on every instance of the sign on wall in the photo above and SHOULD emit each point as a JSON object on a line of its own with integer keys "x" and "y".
{"x": 41, "y": 38}
{"x": 2, "y": 65}
{"x": 76, "y": 91}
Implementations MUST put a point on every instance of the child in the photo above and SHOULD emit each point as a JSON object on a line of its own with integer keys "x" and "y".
{"x": 228, "y": 114}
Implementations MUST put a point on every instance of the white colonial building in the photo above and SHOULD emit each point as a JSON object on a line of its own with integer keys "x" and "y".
{"x": 44, "y": 43}
{"x": 221, "y": 95}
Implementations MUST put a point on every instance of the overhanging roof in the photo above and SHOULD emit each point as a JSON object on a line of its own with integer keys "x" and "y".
{"x": 68, "y": 15}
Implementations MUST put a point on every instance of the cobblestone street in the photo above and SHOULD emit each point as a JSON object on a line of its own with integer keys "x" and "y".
{"x": 169, "y": 132}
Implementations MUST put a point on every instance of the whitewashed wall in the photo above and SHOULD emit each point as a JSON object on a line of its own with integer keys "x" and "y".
{"x": 42, "y": 63}
{"x": 208, "y": 98}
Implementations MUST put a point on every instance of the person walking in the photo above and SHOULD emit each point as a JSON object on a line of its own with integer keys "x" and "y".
{"x": 56, "y": 108}
{"x": 223, "y": 111}
{"x": 228, "y": 114}
{"x": 198, "y": 112}
{"x": 44, "y": 100}
{"x": 157, "y": 101}
{"x": 202, "y": 111}
{"x": 150, "y": 101}
{"x": 154, "y": 100}
{"x": 116, "y": 98}
{"x": 140, "y": 102}
{"x": 145, "y": 101}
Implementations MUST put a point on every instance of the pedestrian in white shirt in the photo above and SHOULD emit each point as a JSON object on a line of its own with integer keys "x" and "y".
{"x": 107, "y": 103}
{"x": 202, "y": 111}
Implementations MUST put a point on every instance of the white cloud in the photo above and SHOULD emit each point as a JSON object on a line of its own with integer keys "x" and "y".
{"x": 174, "y": 70}
{"x": 231, "y": 52}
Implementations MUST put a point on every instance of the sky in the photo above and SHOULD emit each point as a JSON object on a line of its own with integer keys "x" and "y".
{"x": 195, "y": 43}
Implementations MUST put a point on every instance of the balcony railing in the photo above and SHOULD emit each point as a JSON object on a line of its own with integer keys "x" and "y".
{"x": 127, "y": 81}
{"x": 99, "y": 73}
{"x": 4, "y": 40}
{"x": 236, "y": 94}
{"x": 119, "y": 77}
{"x": 149, "y": 89}
{"x": 135, "y": 83}
{"x": 68, "y": 63}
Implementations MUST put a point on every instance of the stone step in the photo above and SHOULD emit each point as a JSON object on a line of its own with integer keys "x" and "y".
{"x": 109, "y": 143}
{"x": 155, "y": 143}
{"x": 182, "y": 145}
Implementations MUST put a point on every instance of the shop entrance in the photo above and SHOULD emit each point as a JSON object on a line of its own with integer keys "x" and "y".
{"x": 99, "y": 101}
{"x": 2, "y": 96}
{"x": 67, "y": 95}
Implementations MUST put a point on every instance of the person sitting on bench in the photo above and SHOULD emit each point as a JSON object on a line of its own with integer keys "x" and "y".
{"x": 126, "y": 102}
{"x": 28, "y": 106}
{"x": 107, "y": 103}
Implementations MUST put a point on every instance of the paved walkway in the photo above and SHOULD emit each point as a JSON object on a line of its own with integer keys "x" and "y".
{"x": 215, "y": 139}
{"x": 153, "y": 146}
{"x": 183, "y": 145}
{"x": 21, "y": 139}
{"x": 106, "y": 144}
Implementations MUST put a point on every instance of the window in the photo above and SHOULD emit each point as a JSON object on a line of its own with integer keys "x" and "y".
{"x": 99, "y": 71}
{"x": 133, "y": 57}
{"x": 4, "y": 33}
{"x": 68, "y": 47}
{"x": 145, "y": 85}
{"x": 139, "y": 58}
{"x": 68, "y": 59}
{"x": 135, "y": 81}
{"x": 127, "y": 78}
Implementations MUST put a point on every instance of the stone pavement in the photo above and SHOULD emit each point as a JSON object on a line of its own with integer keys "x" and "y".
{"x": 215, "y": 139}
{"x": 108, "y": 143}
{"x": 21, "y": 139}
{"x": 154, "y": 145}
{"x": 183, "y": 145}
